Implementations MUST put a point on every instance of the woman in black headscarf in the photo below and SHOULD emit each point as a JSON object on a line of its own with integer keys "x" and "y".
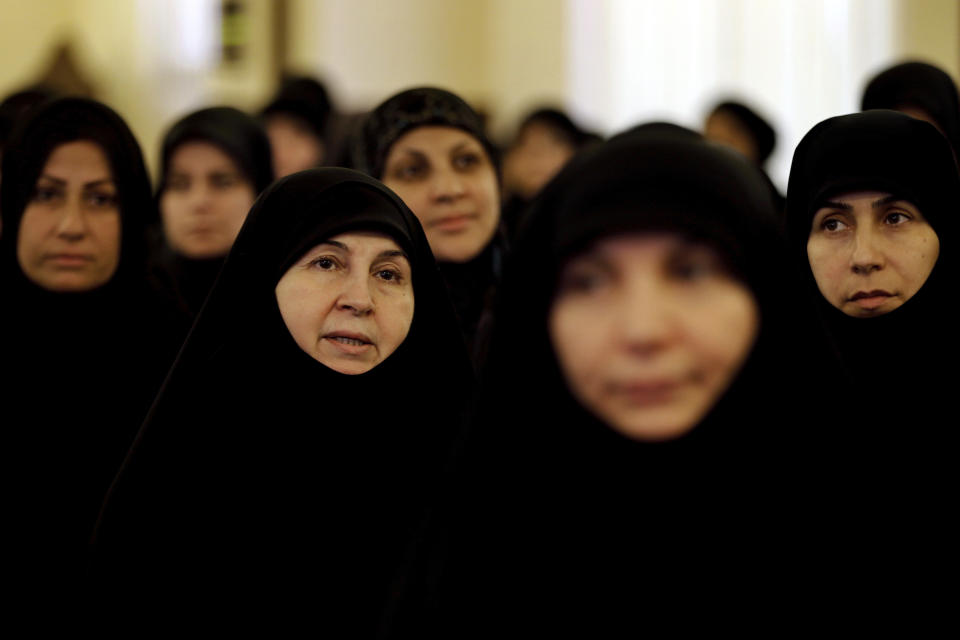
{"x": 214, "y": 162}
{"x": 642, "y": 397}
{"x": 429, "y": 146}
{"x": 739, "y": 127}
{"x": 296, "y": 120}
{"x": 85, "y": 338}
{"x": 871, "y": 211}
{"x": 920, "y": 90}
{"x": 293, "y": 443}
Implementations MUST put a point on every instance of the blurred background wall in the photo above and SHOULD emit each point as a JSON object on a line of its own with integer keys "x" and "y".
{"x": 611, "y": 62}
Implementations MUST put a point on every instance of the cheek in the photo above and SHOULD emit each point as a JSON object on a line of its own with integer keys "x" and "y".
{"x": 722, "y": 331}
{"x": 398, "y": 317}
{"x": 579, "y": 353}
{"x": 827, "y": 263}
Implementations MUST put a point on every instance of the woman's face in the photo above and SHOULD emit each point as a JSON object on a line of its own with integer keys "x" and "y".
{"x": 348, "y": 302}
{"x": 725, "y": 129}
{"x": 69, "y": 237}
{"x": 870, "y": 252}
{"x": 537, "y": 156}
{"x": 649, "y": 330}
{"x": 446, "y": 178}
{"x": 204, "y": 202}
{"x": 293, "y": 145}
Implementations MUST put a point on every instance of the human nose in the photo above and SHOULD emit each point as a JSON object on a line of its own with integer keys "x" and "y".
{"x": 447, "y": 184}
{"x": 645, "y": 316}
{"x": 72, "y": 225}
{"x": 867, "y": 256}
{"x": 355, "y": 296}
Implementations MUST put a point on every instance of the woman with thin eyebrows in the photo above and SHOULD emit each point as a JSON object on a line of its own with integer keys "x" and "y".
{"x": 85, "y": 337}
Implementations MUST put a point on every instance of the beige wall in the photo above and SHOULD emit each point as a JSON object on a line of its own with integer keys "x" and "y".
{"x": 930, "y": 31}
{"x": 503, "y": 55}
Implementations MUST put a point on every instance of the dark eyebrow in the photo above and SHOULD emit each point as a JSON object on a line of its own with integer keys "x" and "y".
{"x": 830, "y": 204}
{"x": 61, "y": 181}
{"x": 336, "y": 244}
{"x": 392, "y": 253}
{"x": 97, "y": 183}
{"x": 887, "y": 200}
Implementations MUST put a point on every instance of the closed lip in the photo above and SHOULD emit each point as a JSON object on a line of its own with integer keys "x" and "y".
{"x": 652, "y": 386}
{"x": 452, "y": 219}
{"x": 78, "y": 257}
{"x": 353, "y": 335}
{"x": 876, "y": 293}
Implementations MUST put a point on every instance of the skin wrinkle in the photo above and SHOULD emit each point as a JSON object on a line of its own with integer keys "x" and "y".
{"x": 357, "y": 282}
{"x": 880, "y": 243}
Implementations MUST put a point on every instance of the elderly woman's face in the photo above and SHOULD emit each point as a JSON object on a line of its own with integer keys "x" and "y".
{"x": 69, "y": 237}
{"x": 649, "y": 330}
{"x": 870, "y": 252}
{"x": 348, "y": 302}
{"x": 446, "y": 178}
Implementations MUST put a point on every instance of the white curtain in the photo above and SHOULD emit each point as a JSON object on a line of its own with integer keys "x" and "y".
{"x": 796, "y": 61}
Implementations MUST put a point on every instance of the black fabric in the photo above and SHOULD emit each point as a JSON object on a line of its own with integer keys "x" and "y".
{"x": 764, "y": 137}
{"x": 265, "y": 477}
{"x": 243, "y": 139}
{"x": 81, "y": 368}
{"x": 918, "y": 84}
{"x": 555, "y": 519}
{"x": 896, "y": 449}
{"x": 306, "y": 100}
{"x": 408, "y": 110}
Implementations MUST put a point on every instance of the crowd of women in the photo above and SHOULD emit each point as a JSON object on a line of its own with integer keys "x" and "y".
{"x": 411, "y": 397}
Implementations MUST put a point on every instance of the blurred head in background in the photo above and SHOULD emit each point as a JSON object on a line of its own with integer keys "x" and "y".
{"x": 296, "y": 121}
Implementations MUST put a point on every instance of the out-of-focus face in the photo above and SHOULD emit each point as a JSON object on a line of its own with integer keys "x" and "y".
{"x": 348, "y": 302}
{"x": 537, "y": 156}
{"x": 724, "y": 129}
{"x": 649, "y": 330}
{"x": 293, "y": 144}
{"x": 446, "y": 178}
{"x": 870, "y": 252}
{"x": 69, "y": 237}
{"x": 204, "y": 202}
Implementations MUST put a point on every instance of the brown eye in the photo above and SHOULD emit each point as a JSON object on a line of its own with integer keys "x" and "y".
{"x": 832, "y": 224}
{"x": 896, "y": 218}
{"x": 466, "y": 160}
{"x": 46, "y": 194}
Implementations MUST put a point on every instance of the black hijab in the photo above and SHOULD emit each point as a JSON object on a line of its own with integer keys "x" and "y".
{"x": 553, "y": 512}
{"x": 894, "y": 440}
{"x": 304, "y": 99}
{"x": 763, "y": 135}
{"x": 243, "y": 139}
{"x": 471, "y": 284}
{"x": 255, "y": 451}
{"x": 918, "y": 84}
{"x": 890, "y": 152}
{"x": 80, "y": 367}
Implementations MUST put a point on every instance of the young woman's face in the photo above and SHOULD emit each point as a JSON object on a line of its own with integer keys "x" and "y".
{"x": 204, "y": 202}
{"x": 870, "y": 252}
{"x": 446, "y": 178}
{"x": 69, "y": 236}
{"x": 649, "y": 330}
{"x": 348, "y": 302}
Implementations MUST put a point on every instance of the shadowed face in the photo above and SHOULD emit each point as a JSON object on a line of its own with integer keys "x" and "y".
{"x": 870, "y": 252}
{"x": 69, "y": 236}
{"x": 348, "y": 302}
{"x": 205, "y": 201}
{"x": 649, "y": 330}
